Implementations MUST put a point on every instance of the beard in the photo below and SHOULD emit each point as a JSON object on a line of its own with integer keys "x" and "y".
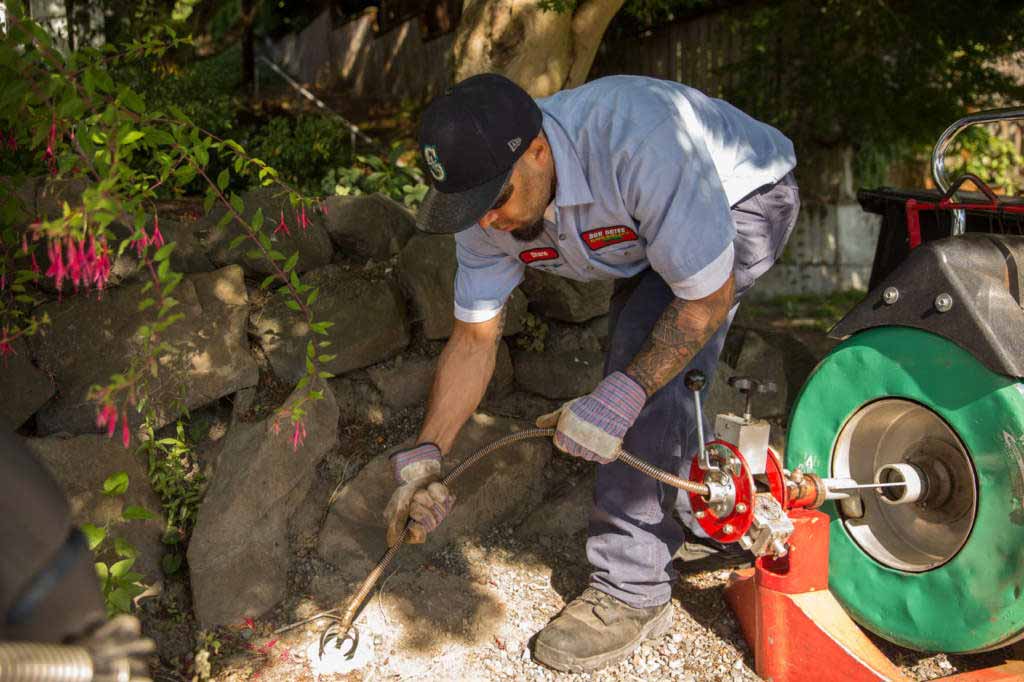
{"x": 530, "y": 232}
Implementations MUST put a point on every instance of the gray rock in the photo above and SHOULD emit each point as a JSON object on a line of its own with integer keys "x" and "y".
{"x": 80, "y": 465}
{"x": 426, "y": 268}
{"x": 190, "y": 253}
{"x": 559, "y": 374}
{"x": 50, "y": 196}
{"x": 558, "y": 519}
{"x": 565, "y": 299}
{"x": 19, "y": 377}
{"x": 373, "y": 226}
{"x": 368, "y": 316}
{"x": 508, "y": 482}
{"x": 89, "y": 340}
{"x": 313, "y": 244}
{"x": 359, "y": 402}
{"x": 406, "y": 381}
{"x": 238, "y": 556}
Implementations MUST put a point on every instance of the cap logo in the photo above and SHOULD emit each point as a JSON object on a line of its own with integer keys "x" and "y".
{"x": 433, "y": 163}
{"x": 514, "y": 143}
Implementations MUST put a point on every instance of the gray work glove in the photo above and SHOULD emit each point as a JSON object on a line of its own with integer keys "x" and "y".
{"x": 421, "y": 500}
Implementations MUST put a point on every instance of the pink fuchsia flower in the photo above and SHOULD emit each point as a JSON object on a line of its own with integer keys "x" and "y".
{"x": 298, "y": 435}
{"x": 323, "y": 207}
{"x": 78, "y": 264}
{"x": 49, "y": 156}
{"x": 100, "y": 262}
{"x": 56, "y": 269}
{"x": 303, "y": 220}
{"x": 140, "y": 244}
{"x": 107, "y": 417}
{"x": 35, "y": 265}
{"x": 126, "y": 436}
{"x": 5, "y": 346}
{"x": 277, "y": 427}
{"x": 12, "y": 143}
{"x": 282, "y": 225}
{"x": 156, "y": 239}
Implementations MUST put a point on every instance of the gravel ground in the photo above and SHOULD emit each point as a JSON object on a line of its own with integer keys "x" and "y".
{"x": 472, "y": 611}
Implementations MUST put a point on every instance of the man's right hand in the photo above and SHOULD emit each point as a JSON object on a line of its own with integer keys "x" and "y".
{"x": 421, "y": 500}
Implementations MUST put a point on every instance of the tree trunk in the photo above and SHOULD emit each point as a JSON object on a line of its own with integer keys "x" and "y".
{"x": 542, "y": 51}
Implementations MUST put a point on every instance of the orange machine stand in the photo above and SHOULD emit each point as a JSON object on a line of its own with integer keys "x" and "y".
{"x": 797, "y": 629}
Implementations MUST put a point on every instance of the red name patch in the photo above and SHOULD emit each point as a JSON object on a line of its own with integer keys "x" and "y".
{"x": 531, "y": 255}
{"x": 606, "y": 236}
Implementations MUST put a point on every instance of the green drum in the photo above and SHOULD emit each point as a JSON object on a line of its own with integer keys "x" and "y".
{"x": 944, "y": 572}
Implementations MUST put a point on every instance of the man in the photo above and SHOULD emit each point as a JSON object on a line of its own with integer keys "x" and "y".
{"x": 683, "y": 198}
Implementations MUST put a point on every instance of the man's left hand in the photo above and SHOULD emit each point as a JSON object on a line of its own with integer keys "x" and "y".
{"x": 592, "y": 427}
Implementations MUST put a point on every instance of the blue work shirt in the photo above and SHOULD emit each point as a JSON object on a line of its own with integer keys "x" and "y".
{"x": 647, "y": 171}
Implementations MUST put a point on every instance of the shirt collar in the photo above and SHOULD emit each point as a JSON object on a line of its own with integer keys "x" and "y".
{"x": 573, "y": 187}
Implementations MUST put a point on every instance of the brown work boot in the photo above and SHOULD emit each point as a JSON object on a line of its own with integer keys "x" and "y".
{"x": 595, "y": 630}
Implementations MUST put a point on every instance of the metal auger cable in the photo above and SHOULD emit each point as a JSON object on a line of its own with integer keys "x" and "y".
{"x": 342, "y": 629}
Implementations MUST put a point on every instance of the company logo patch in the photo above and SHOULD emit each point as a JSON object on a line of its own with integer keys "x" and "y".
{"x": 514, "y": 143}
{"x": 533, "y": 255}
{"x": 606, "y": 236}
{"x": 434, "y": 163}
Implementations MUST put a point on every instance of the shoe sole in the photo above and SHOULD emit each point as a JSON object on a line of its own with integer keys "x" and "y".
{"x": 655, "y": 628}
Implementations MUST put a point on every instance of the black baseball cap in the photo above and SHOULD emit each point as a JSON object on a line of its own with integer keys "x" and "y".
{"x": 470, "y": 137}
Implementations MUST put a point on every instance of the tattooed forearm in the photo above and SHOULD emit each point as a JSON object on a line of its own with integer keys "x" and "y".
{"x": 680, "y": 332}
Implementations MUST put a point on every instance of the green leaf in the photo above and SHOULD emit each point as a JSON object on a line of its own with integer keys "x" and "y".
{"x": 257, "y": 219}
{"x": 102, "y": 572}
{"x": 293, "y": 305}
{"x": 223, "y": 179}
{"x": 233, "y": 244}
{"x": 136, "y": 513}
{"x": 121, "y": 567}
{"x": 170, "y": 563}
{"x": 145, "y": 303}
{"x": 93, "y": 534}
{"x": 164, "y": 252}
{"x": 310, "y": 350}
{"x": 132, "y": 136}
{"x": 120, "y": 600}
{"x": 292, "y": 260}
{"x": 116, "y": 484}
{"x": 237, "y": 204}
{"x": 313, "y": 296}
{"x": 267, "y": 281}
{"x": 125, "y": 549}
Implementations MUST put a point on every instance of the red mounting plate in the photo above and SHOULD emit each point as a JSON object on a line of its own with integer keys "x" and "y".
{"x": 744, "y": 485}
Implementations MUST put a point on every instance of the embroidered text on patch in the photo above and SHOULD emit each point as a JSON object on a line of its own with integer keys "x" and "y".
{"x": 606, "y": 236}
{"x": 531, "y": 255}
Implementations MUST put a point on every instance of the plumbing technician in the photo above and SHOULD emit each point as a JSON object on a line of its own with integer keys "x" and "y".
{"x": 683, "y": 199}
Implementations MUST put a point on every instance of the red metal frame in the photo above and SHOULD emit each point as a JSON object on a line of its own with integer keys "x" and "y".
{"x": 946, "y": 203}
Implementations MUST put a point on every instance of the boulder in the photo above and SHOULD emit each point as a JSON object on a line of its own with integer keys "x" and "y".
{"x": 368, "y": 226}
{"x": 562, "y": 516}
{"x": 81, "y": 464}
{"x": 238, "y": 556}
{"x": 359, "y": 401}
{"x": 559, "y": 374}
{"x": 564, "y": 299}
{"x": 312, "y": 243}
{"x": 19, "y": 377}
{"x": 570, "y": 364}
{"x": 426, "y": 268}
{"x": 406, "y": 380}
{"x": 89, "y": 340}
{"x": 508, "y": 482}
{"x": 368, "y": 316}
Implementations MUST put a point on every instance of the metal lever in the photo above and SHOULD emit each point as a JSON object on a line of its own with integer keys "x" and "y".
{"x": 747, "y": 386}
{"x": 695, "y": 381}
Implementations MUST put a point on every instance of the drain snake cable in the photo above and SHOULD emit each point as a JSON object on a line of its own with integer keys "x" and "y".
{"x": 341, "y": 627}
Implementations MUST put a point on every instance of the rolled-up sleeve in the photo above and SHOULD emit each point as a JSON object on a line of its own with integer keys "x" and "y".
{"x": 672, "y": 189}
{"x": 485, "y": 278}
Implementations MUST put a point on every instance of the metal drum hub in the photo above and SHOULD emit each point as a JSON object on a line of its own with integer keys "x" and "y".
{"x": 893, "y": 440}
